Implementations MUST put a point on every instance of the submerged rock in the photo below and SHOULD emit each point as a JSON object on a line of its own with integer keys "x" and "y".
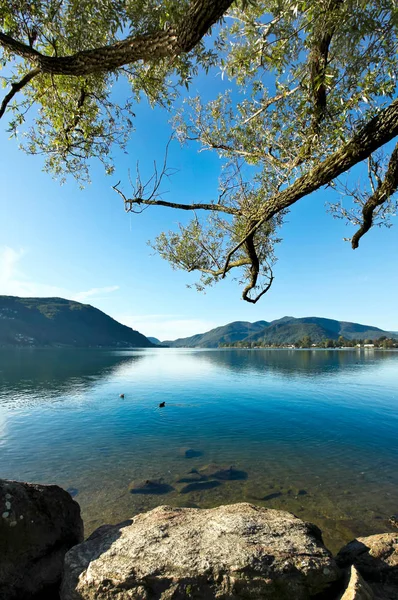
{"x": 150, "y": 486}
{"x": 38, "y": 525}
{"x": 191, "y": 477}
{"x": 199, "y": 486}
{"x": 190, "y": 453}
{"x": 223, "y": 473}
{"x": 229, "y": 552}
{"x": 272, "y": 496}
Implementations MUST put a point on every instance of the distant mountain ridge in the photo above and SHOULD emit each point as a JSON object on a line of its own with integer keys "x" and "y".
{"x": 287, "y": 330}
{"x": 226, "y": 334}
{"x": 57, "y": 322}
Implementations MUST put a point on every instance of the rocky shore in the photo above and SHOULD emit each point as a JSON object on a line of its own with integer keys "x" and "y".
{"x": 232, "y": 552}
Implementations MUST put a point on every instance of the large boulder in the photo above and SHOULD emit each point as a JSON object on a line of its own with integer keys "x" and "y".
{"x": 38, "y": 525}
{"x": 357, "y": 588}
{"x": 229, "y": 552}
{"x": 375, "y": 557}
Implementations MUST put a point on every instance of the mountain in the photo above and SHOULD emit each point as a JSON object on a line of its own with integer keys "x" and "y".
{"x": 56, "y": 322}
{"x": 226, "y": 334}
{"x": 290, "y": 330}
{"x": 286, "y": 330}
{"x": 154, "y": 340}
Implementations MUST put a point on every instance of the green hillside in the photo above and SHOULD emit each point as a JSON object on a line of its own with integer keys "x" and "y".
{"x": 226, "y": 334}
{"x": 56, "y": 322}
{"x": 291, "y": 330}
{"x": 287, "y": 330}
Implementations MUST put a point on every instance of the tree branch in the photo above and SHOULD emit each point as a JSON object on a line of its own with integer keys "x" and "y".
{"x": 129, "y": 202}
{"x": 384, "y": 190}
{"x": 319, "y": 62}
{"x": 16, "y": 87}
{"x": 269, "y": 103}
{"x": 177, "y": 39}
{"x": 377, "y": 132}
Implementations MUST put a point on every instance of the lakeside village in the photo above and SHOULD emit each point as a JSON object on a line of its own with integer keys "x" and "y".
{"x": 341, "y": 343}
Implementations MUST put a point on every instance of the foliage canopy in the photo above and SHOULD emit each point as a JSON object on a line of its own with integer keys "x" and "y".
{"x": 314, "y": 88}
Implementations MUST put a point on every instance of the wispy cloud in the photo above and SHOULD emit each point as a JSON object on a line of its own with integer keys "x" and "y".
{"x": 14, "y": 282}
{"x": 95, "y": 292}
{"x": 9, "y": 258}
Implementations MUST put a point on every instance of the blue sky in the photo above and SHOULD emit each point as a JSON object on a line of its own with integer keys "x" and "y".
{"x": 61, "y": 241}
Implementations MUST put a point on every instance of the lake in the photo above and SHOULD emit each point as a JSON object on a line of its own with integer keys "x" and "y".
{"x": 314, "y": 432}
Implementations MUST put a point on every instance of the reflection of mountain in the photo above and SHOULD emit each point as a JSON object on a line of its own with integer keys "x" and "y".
{"x": 287, "y": 330}
{"x": 57, "y": 371}
{"x": 298, "y": 363}
{"x": 55, "y": 322}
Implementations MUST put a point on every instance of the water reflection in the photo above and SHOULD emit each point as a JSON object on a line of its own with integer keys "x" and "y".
{"x": 26, "y": 375}
{"x": 313, "y": 432}
{"x": 301, "y": 363}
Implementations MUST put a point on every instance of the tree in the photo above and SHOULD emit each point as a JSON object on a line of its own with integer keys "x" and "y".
{"x": 306, "y": 342}
{"x": 313, "y": 94}
{"x": 65, "y": 56}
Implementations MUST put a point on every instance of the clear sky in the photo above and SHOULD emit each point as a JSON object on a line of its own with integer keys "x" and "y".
{"x": 61, "y": 241}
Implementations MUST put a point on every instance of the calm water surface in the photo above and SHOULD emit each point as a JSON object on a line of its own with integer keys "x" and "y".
{"x": 312, "y": 432}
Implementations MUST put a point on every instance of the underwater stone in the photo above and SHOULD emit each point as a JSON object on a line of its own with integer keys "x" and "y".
{"x": 223, "y": 473}
{"x": 272, "y": 496}
{"x": 150, "y": 486}
{"x": 199, "y": 486}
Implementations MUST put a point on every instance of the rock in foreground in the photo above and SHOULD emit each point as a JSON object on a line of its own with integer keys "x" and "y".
{"x": 375, "y": 556}
{"x": 376, "y": 559}
{"x": 229, "y": 552}
{"x": 38, "y": 525}
{"x": 357, "y": 588}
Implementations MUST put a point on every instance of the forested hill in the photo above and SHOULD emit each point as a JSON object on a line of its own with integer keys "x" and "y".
{"x": 56, "y": 322}
{"x": 287, "y": 330}
{"x": 226, "y": 334}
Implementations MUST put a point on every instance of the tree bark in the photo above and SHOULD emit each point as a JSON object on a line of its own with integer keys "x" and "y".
{"x": 384, "y": 190}
{"x": 377, "y": 132}
{"x": 177, "y": 39}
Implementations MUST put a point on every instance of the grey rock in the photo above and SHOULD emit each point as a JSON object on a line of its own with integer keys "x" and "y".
{"x": 375, "y": 557}
{"x": 229, "y": 552}
{"x": 394, "y": 520}
{"x": 357, "y": 588}
{"x": 39, "y": 524}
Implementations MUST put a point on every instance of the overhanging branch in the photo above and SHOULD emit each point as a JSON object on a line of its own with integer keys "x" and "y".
{"x": 377, "y": 132}
{"x": 384, "y": 190}
{"x": 16, "y": 87}
{"x": 177, "y": 39}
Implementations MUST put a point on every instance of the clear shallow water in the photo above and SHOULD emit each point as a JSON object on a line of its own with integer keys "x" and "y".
{"x": 315, "y": 432}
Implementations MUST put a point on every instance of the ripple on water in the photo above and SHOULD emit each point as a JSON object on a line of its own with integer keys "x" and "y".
{"x": 309, "y": 432}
